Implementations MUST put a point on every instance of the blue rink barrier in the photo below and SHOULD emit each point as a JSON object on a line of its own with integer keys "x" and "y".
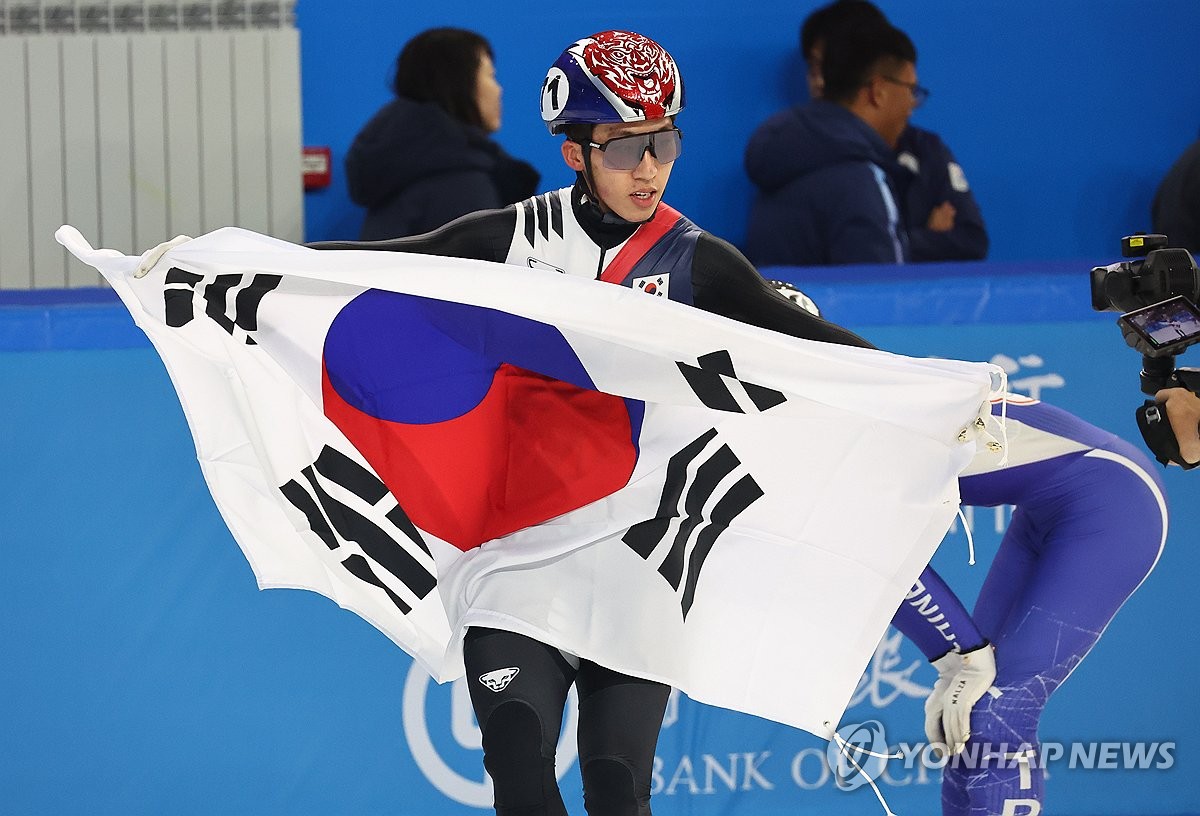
{"x": 143, "y": 674}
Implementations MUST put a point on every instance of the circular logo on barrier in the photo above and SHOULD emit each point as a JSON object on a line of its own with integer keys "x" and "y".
{"x": 857, "y": 754}
{"x": 453, "y": 761}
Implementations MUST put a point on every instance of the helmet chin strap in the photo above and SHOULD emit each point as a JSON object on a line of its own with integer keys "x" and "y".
{"x": 586, "y": 173}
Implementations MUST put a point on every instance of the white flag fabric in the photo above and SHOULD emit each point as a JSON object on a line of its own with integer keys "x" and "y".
{"x": 436, "y": 443}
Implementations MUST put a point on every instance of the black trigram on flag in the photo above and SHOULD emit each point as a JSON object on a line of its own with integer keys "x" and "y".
{"x": 718, "y": 387}
{"x": 179, "y": 297}
{"x": 686, "y": 500}
{"x": 397, "y": 549}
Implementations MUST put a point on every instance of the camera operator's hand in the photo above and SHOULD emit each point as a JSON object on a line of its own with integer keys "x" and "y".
{"x": 1183, "y": 412}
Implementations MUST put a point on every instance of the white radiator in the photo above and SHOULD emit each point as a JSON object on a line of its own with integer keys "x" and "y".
{"x": 136, "y": 122}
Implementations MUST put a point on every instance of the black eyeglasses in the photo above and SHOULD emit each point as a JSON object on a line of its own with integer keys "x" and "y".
{"x": 626, "y": 152}
{"x": 919, "y": 92}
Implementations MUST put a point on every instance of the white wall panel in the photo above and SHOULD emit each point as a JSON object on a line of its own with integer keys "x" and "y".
{"x": 284, "y": 148}
{"x": 114, "y": 154}
{"x": 43, "y": 77}
{"x": 136, "y": 122}
{"x": 216, "y": 133}
{"x": 147, "y": 138}
{"x": 16, "y": 263}
{"x": 81, "y": 185}
{"x": 250, "y": 125}
{"x": 182, "y": 66}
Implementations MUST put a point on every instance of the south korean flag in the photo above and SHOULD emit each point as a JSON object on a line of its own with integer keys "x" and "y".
{"x": 657, "y": 285}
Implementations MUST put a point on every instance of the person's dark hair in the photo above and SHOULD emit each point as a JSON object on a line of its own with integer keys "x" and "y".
{"x": 817, "y": 25}
{"x": 441, "y": 66}
{"x": 854, "y": 54}
{"x": 578, "y": 132}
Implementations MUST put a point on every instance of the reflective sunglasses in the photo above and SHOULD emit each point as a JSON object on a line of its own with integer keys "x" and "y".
{"x": 626, "y": 152}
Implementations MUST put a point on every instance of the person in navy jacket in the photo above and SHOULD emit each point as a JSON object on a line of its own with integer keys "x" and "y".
{"x": 939, "y": 216}
{"x": 826, "y": 172}
{"x": 428, "y": 156}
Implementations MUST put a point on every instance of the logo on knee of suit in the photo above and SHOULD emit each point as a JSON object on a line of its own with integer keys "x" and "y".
{"x": 445, "y": 741}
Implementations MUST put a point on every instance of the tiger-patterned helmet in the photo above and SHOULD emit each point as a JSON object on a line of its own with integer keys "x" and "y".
{"x": 609, "y": 77}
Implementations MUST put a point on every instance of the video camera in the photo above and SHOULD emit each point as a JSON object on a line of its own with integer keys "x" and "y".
{"x": 1157, "y": 295}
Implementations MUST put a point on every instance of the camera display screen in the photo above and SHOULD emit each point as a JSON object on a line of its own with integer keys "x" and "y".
{"x": 1172, "y": 323}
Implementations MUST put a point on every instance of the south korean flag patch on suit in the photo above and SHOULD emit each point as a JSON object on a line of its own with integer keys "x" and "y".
{"x": 657, "y": 285}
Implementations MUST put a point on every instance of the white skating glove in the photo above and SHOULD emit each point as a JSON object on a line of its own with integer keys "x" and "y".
{"x": 151, "y": 256}
{"x": 962, "y": 679}
{"x": 947, "y": 667}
